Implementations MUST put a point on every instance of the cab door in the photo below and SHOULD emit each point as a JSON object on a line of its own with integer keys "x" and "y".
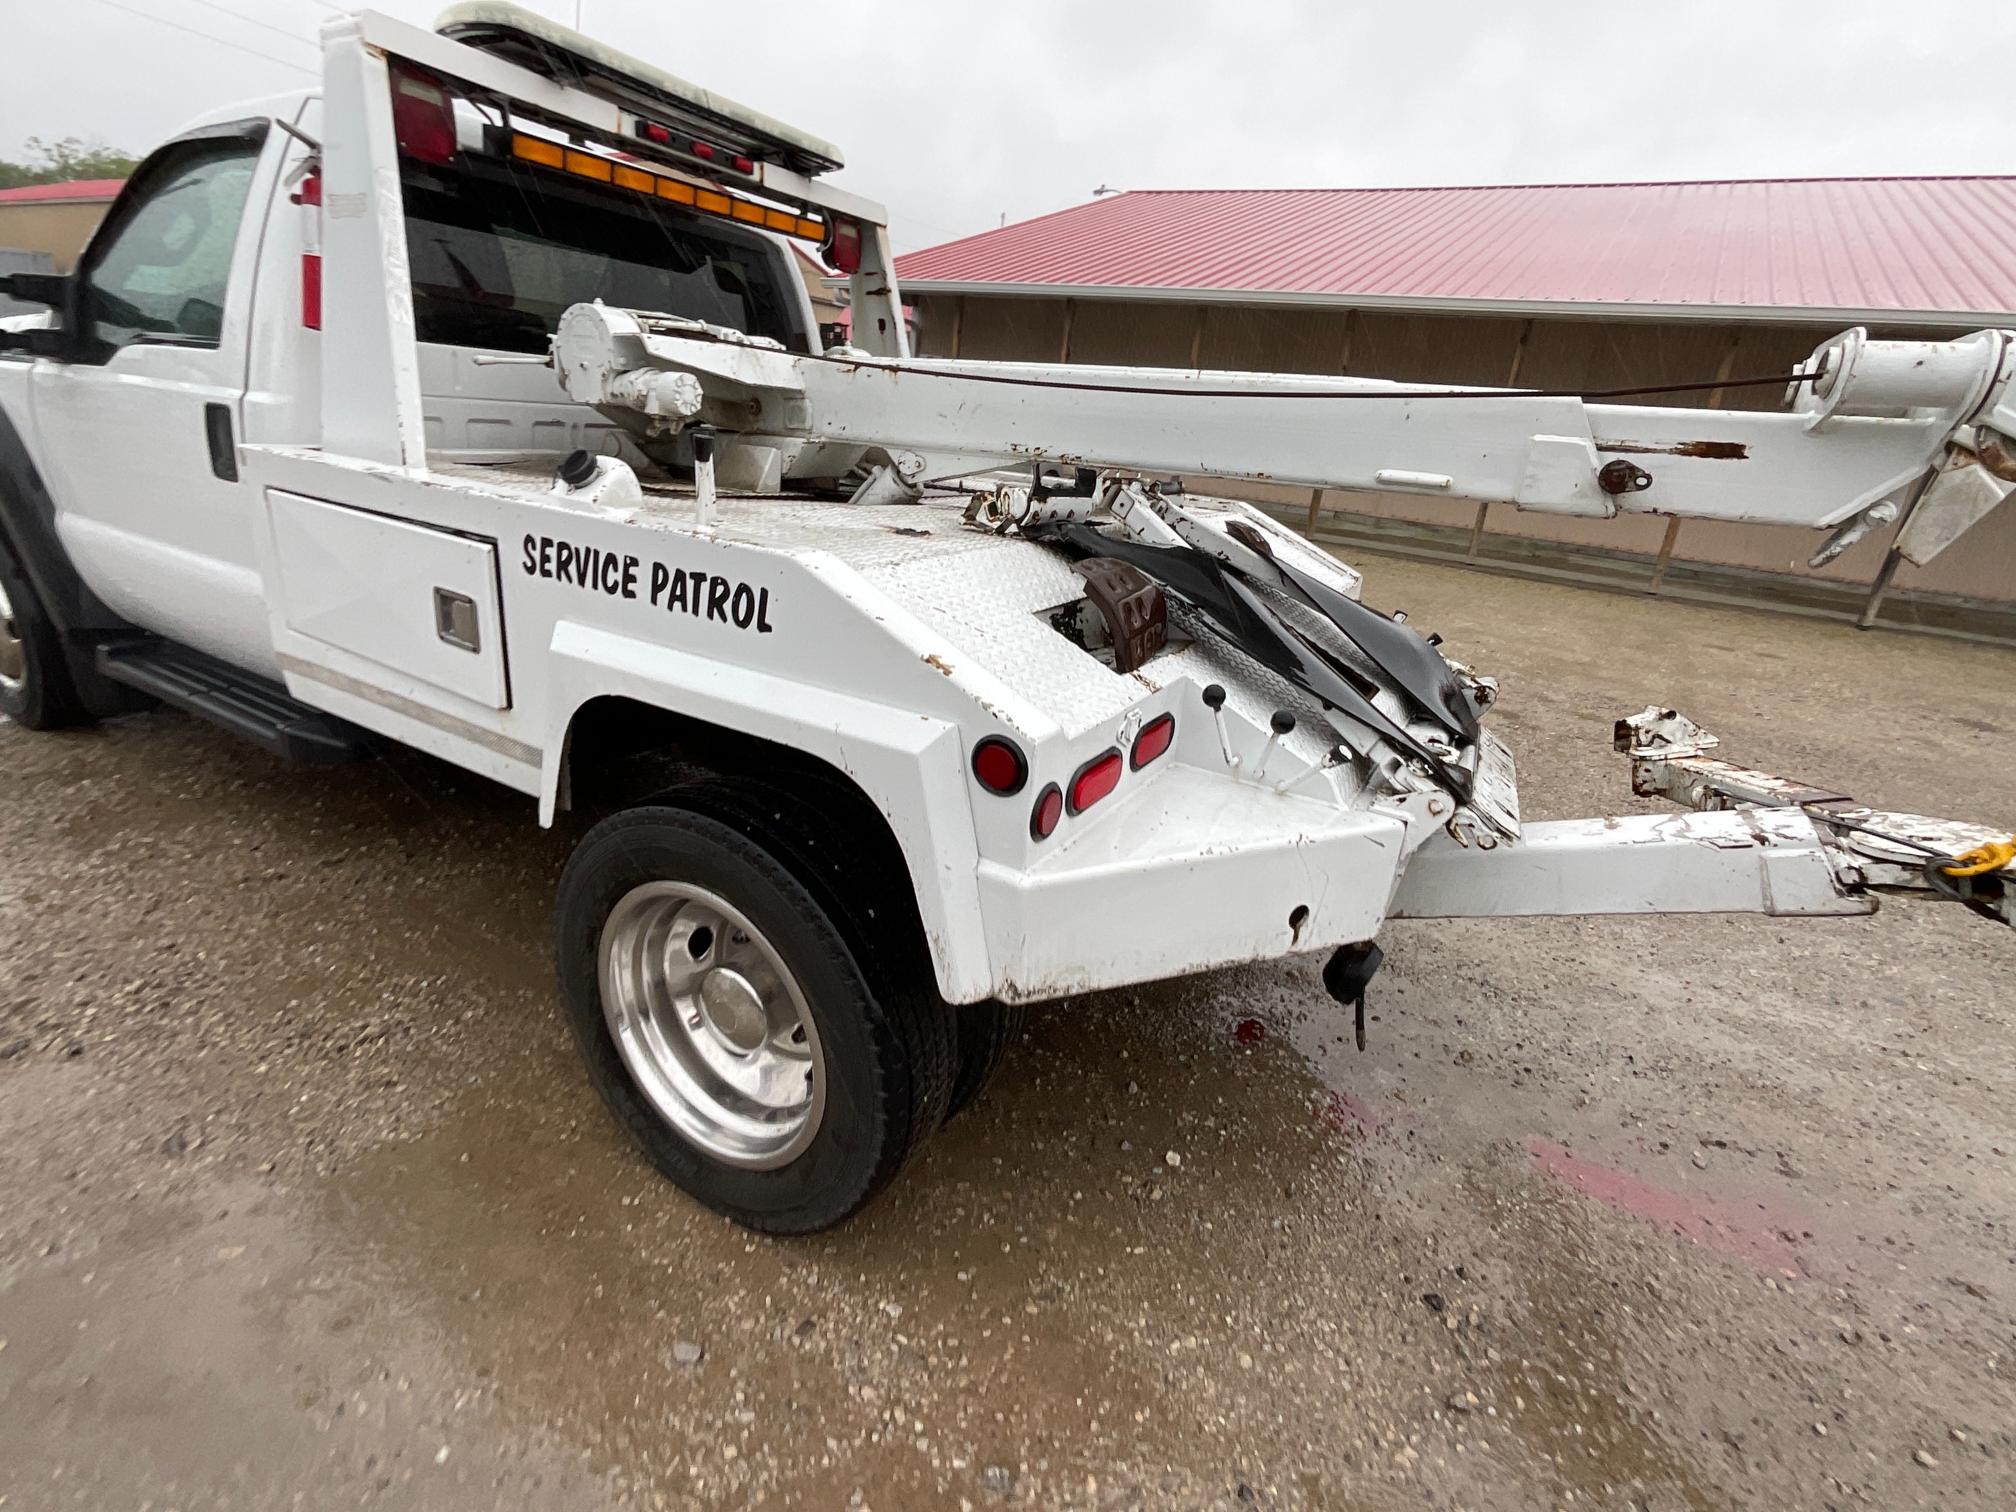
{"x": 139, "y": 418}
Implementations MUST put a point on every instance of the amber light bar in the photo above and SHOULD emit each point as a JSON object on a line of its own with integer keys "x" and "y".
{"x": 604, "y": 170}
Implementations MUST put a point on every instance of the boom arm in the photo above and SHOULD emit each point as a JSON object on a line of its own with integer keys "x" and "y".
{"x": 1879, "y": 420}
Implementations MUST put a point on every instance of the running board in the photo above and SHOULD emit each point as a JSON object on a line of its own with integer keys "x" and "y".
{"x": 260, "y": 711}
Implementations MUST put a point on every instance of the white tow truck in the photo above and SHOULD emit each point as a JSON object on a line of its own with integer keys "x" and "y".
{"x": 473, "y": 401}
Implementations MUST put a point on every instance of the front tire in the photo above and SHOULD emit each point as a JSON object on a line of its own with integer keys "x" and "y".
{"x": 728, "y": 1023}
{"x": 35, "y": 686}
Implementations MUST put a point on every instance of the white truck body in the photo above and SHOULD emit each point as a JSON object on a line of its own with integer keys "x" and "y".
{"x": 295, "y": 480}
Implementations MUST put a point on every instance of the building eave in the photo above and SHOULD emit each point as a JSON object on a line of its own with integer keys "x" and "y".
{"x": 1836, "y": 318}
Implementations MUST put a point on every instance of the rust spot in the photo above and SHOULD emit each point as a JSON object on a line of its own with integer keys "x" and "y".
{"x": 935, "y": 660}
{"x": 1996, "y": 455}
{"x": 1712, "y": 451}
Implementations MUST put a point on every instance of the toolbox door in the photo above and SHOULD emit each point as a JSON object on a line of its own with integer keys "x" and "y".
{"x": 421, "y": 602}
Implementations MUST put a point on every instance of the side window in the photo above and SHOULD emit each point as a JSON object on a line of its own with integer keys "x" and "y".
{"x": 162, "y": 274}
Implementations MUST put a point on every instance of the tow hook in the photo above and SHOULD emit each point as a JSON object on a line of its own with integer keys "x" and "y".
{"x": 1348, "y": 973}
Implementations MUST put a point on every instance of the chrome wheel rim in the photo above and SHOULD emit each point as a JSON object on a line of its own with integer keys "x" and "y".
{"x": 711, "y": 1024}
{"x": 13, "y": 658}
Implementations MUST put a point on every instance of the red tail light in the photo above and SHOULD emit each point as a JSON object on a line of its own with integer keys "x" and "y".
{"x": 1156, "y": 737}
{"x": 311, "y": 290}
{"x": 999, "y": 766}
{"x": 651, "y": 131}
{"x": 1049, "y": 809}
{"x": 423, "y": 116}
{"x": 843, "y": 254}
{"x": 742, "y": 164}
{"x": 1094, "y": 781}
{"x": 701, "y": 150}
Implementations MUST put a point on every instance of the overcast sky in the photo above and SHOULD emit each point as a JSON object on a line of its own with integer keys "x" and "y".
{"x": 954, "y": 114}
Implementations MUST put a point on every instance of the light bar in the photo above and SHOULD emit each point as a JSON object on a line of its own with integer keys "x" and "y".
{"x": 589, "y": 165}
{"x": 532, "y": 41}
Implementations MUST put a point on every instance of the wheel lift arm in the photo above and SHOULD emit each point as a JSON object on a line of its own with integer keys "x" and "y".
{"x": 1755, "y": 843}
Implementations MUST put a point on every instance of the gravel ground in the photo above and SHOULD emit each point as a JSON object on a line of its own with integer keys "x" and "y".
{"x": 306, "y": 1204}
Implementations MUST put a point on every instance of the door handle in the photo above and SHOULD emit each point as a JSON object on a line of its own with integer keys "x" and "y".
{"x": 223, "y": 451}
{"x": 455, "y": 619}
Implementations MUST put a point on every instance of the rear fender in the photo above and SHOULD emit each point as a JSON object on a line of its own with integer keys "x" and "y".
{"x": 909, "y": 766}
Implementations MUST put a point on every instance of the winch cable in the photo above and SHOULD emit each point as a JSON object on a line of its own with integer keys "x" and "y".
{"x": 1948, "y": 875}
{"x": 903, "y": 368}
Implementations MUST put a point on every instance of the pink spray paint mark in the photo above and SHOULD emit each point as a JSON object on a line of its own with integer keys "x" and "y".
{"x": 1748, "y": 1231}
{"x": 1341, "y": 1113}
{"x": 1249, "y": 1031}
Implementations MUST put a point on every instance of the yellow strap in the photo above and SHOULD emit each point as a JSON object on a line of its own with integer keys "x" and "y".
{"x": 1992, "y": 856}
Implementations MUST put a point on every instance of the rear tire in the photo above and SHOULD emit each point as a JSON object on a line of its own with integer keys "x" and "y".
{"x": 35, "y": 686}
{"x": 986, "y": 1030}
{"x": 703, "y": 978}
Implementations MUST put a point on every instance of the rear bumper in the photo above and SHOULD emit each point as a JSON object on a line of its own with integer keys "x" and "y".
{"x": 1193, "y": 871}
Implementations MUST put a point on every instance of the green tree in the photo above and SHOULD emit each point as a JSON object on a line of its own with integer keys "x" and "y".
{"x": 64, "y": 159}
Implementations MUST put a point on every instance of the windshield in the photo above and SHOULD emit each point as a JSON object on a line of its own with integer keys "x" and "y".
{"x": 499, "y": 250}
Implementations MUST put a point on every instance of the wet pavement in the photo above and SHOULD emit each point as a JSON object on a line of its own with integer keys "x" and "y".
{"x": 306, "y": 1204}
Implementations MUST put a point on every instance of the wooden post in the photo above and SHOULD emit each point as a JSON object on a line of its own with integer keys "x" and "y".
{"x": 958, "y": 320}
{"x": 1867, "y": 619}
{"x": 1197, "y": 339}
{"x": 1315, "y": 505}
{"x": 1893, "y": 558}
{"x": 1519, "y": 354}
{"x": 1350, "y": 329}
{"x": 1511, "y": 381}
{"x": 1728, "y": 366}
{"x": 1064, "y": 346}
{"x": 1671, "y": 539}
{"x": 1665, "y": 554}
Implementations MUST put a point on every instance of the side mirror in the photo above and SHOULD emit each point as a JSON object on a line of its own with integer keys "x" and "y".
{"x": 38, "y": 288}
{"x": 59, "y": 292}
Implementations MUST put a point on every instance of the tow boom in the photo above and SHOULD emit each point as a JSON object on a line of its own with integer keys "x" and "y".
{"x": 1874, "y": 428}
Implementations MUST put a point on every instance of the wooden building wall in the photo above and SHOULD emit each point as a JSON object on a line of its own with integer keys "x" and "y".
{"x": 1481, "y": 350}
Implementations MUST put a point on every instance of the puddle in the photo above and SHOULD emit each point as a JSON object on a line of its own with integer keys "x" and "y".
{"x": 1569, "y": 1384}
{"x": 1021, "y": 1298}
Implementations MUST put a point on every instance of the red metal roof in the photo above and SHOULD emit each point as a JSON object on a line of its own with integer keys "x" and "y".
{"x": 74, "y": 189}
{"x": 1936, "y": 248}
